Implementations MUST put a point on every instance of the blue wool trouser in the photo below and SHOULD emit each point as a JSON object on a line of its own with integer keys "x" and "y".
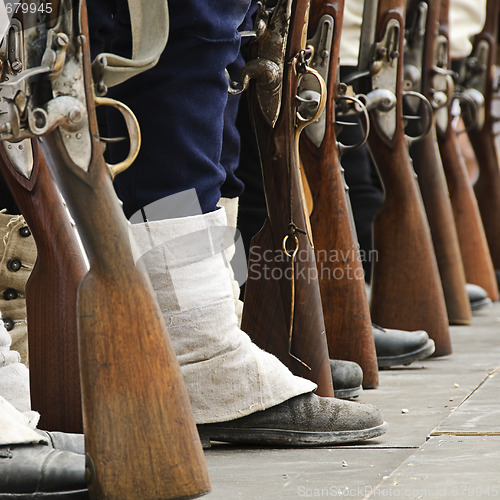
{"x": 180, "y": 103}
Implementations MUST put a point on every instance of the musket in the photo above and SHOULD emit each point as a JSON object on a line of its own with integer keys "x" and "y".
{"x": 140, "y": 435}
{"x": 51, "y": 289}
{"x": 406, "y": 289}
{"x": 423, "y": 74}
{"x": 476, "y": 255}
{"x": 480, "y": 83}
{"x": 53, "y": 283}
{"x": 282, "y": 310}
{"x": 343, "y": 292}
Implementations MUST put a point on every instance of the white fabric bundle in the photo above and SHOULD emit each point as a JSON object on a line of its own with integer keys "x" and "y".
{"x": 227, "y": 376}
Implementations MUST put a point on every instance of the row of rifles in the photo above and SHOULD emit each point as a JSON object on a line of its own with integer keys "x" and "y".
{"x": 435, "y": 230}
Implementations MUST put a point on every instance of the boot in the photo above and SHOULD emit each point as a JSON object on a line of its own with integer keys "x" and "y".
{"x": 478, "y": 297}
{"x": 39, "y": 471}
{"x": 17, "y": 258}
{"x": 306, "y": 420}
{"x": 399, "y": 347}
{"x": 347, "y": 378}
{"x": 65, "y": 441}
{"x": 227, "y": 376}
{"x": 39, "y": 464}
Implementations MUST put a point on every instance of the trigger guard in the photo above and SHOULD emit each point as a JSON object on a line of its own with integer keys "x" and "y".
{"x": 343, "y": 147}
{"x": 133, "y": 130}
{"x": 411, "y": 140}
{"x": 303, "y": 122}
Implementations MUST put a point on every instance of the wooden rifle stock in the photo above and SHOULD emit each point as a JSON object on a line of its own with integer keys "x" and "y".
{"x": 50, "y": 295}
{"x": 406, "y": 289}
{"x": 341, "y": 278}
{"x": 429, "y": 168}
{"x": 140, "y": 435}
{"x": 282, "y": 310}
{"x": 476, "y": 256}
{"x": 482, "y": 138}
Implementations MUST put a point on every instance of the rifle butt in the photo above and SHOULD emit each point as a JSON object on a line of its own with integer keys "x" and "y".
{"x": 406, "y": 288}
{"x": 266, "y": 311}
{"x": 134, "y": 413}
{"x": 343, "y": 292}
{"x": 432, "y": 182}
{"x": 476, "y": 255}
{"x": 140, "y": 434}
{"x": 51, "y": 293}
{"x": 340, "y": 273}
{"x": 289, "y": 294}
{"x": 482, "y": 135}
{"x": 487, "y": 190}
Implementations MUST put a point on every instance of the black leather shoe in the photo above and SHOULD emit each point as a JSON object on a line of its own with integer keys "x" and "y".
{"x": 29, "y": 471}
{"x": 305, "y": 420}
{"x": 399, "y": 347}
{"x": 347, "y": 378}
{"x": 65, "y": 441}
{"x": 478, "y": 297}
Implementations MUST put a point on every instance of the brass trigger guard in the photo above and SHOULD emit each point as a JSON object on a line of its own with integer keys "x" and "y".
{"x": 430, "y": 110}
{"x": 342, "y": 147}
{"x": 133, "y": 130}
{"x": 303, "y": 122}
{"x": 295, "y": 250}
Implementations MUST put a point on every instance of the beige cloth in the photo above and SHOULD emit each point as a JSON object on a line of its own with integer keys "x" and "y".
{"x": 227, "y": 376}
{"x": 15, "y": 246}
{"x": 466, "y": 19}
{"x": 231, "y": 207}
{"x": 351, "y": 29}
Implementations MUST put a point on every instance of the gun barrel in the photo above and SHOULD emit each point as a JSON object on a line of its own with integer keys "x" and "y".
{"x": 368, "y": 34}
